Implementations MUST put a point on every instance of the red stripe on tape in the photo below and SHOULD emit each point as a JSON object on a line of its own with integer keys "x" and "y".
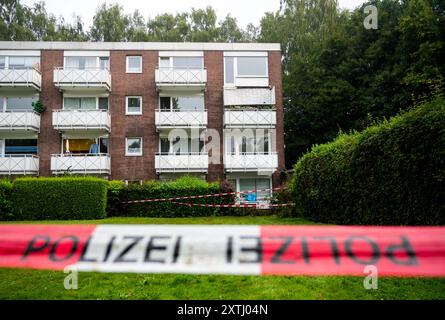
{"x": 42, "y": 246}
{"x": 329, "y": 250}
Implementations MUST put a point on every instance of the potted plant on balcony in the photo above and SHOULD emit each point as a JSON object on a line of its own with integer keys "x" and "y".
{"x": 38, "y": 106}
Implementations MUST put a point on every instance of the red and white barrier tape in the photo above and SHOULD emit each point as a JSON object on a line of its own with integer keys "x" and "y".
{"x": 229, "y": 249}
{"x": 236, "y": 205}
{"x": 202, "y": 196}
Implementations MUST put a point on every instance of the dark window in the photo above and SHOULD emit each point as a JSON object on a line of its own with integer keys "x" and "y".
{"x": 21, "y": 146}
{"x": 165, "y": 103}
{"x": 103, "y": 103}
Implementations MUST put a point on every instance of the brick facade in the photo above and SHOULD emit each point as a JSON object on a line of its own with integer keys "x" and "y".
{"x": 49, "y": 139}
{"x": 133, "y": 84}
{"x": 275, "y": 80}
{"x": 214, "y": 63}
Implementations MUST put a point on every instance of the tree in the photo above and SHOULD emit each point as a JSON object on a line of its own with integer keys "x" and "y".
{"x": 110, "y": 24}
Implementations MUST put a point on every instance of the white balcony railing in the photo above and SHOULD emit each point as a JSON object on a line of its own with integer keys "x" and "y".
{"x": 93, "y": 78}
{"x": 15, "y": 164}
{"x": 81, "y": 163}
{"x": 180, "y": 118}
{"x": 181, "y": 77}
{"x": 249, "y": 97}
{"x": 21, "y": 78}
{"x": 249, "y": 118}
{"x": 81, "y": 120}
{"x": 19, "y": 120}
{"x": 190, "y": 162}
{"x": 251, "y": 162}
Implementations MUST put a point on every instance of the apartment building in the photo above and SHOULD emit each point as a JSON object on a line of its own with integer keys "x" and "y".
{"x": 143, "y": 111}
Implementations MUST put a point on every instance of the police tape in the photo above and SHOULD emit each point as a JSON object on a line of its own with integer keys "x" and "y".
{"x": 228, "y": 249}
{"x": 202, "y": 196}
{"x": 236, "y": 205}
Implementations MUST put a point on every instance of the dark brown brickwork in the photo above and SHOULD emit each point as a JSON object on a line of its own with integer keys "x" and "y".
{"x": 133, "y": 84}
{"x": 49, "y": 139}
{"x": 214, "y": 63}
{"x": 275, "y": 80}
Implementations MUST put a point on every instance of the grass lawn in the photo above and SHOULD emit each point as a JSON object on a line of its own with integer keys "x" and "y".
{"x": 39, "y": 284}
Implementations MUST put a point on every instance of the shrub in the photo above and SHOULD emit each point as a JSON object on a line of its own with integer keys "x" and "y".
{"x": 5, "y": 199}
{"x": 392, "y": 173}
{"x": 38, "y": 106}
{"x": 184, "y": 186}
{"x": 59, "y": 198}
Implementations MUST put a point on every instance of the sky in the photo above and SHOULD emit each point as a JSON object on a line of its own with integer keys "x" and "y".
{"x": 244, "y": 11}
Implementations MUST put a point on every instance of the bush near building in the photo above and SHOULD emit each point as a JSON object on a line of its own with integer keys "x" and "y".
{"x": 5, "y": 199}
{"x": 59, "y": 198}
{"x": 390, "y": 174}
{"x": 184, "y": 186}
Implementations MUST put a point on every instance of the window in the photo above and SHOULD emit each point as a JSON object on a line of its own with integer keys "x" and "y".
{"x": 80, "y": 63}
{"x": 165, "y": 145}
{"x": 181, "y": 146}
{"x": 104, "y": 63}
{"x": 165, "y": 103}
{"x": 103, "y": 103}
{"x": 252, "y": 66}
{"x": 83, "y": 103}
{"x": 187, "y": 62}
{"x": 2, "y": 62}
{"x": 20, "y": 146}
{"x": 254, "y": 184}
{"x": 164, "y": 62}
{"x": 20, "y": 103}
{"x": 133, "y": 147}
{"x": 259, "y": 143}
{"x": 188, "y": 103}
{"x": 85, "y": 146}
{"x": 230, "y": 72}
{"x": 245, "y": 67}
{"x": 133, "y": 105}
{"x": 16, "y": 62}
{"x": 134, "y": 64}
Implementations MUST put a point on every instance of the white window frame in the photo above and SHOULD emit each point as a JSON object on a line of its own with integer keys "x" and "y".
{"x": 140, "y": 64}
{"x": 126, "y": 147}
{"x": 128, "y": 113}
{"x": 235, "y": 69}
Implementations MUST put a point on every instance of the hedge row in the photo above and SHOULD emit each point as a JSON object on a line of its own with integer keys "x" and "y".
{"x": 94, "y": 198}
{"x": 184, "y": 186}
{"x": 392, "y": 173}
{"x": 58, "y": 198}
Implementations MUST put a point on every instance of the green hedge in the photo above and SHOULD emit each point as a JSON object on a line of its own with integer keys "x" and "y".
{"x": 5, "y": 199}
{"x": 184, "y": 186}
{"x": 392, "y": 173}
{"x": 59, "y": 198}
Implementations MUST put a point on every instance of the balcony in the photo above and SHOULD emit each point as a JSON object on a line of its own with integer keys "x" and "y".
{"x": 18, "y": 120}
{"x": 181, "y": 119}
{"x": 190, "y": 162}
{"x": 19, "y": 164}
{"x": 82, "y": 79}
{"x": 251, "y": 162}
{"x": 81, "y": 120}
{"x": 250, "y": 118}
{"x": 81, "y": 163}
{"x": 23, "y": 78}
{"x": 180, "y": 79}
{"x": 249, "y": 97}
